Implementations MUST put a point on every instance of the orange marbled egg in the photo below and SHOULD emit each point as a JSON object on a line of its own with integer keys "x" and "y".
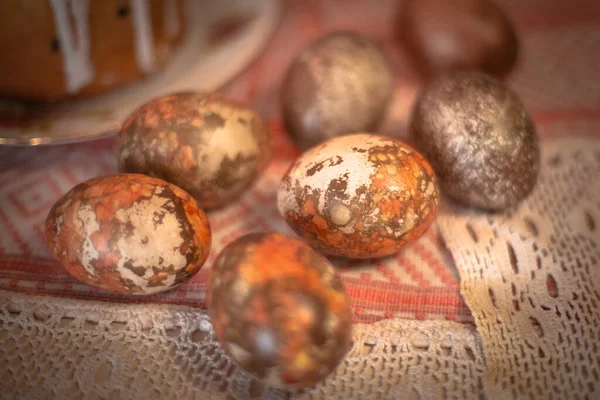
{"x": 359, "y": 196}
{"x": 279, "y": 309}
{"x": 129, "y": 234}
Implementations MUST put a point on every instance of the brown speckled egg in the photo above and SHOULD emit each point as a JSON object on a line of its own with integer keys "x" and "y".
{"x": 479, "y": 138}
{"x": 443, "y": 35}
{"x": 279, "y": 310}
{"x": 211, "y": 147}
{"x": 359, "y": 196}
{"x": 128, "y": 233}
{"x": 339, "y": 84}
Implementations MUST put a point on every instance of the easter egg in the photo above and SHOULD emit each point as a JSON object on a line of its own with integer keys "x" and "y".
{"x": 129, "y": 234}
{"x": 339, "y": 84}
{"x": 441, "y": 36}
{"x": 279, "y": 310}
{"x": 211, "y": 147}
{"x": 359, "y": 196}
{"x": 479, "y": 138}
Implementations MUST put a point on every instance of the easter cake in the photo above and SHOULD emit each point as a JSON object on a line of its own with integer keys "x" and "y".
{"x": 64, "y": 49}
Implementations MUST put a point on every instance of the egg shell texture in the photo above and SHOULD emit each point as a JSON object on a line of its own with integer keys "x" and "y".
{"x": 359, "y": 196}
{"x": 211, "y": 147}
{"x": 479, "y": 138}
{"x": 129, "y": 234}
{"x": 341, "y": 83}
{"x": 279, "y": 309}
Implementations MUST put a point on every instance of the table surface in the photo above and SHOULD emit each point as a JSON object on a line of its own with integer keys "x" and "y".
{"x": 557, "y": 76}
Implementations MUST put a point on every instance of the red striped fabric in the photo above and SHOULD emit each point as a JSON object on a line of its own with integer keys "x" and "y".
{"x": 558, "y": 78}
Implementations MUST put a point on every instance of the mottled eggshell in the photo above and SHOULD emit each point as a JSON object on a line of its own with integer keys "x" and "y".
{"x": 479, "y": 138}
{"x": 339, "y": 84}
{"x": 279, "y": 310}
{"x": 129, "y": 233}
{"x": 359, "y": 196}
{"x": 211, "y": 147}
{"x": 443, "y": 35}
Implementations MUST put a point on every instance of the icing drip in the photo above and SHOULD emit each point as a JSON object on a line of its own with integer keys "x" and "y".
{"x": 144, "y": 52}
{"x": 74, "y": 43}
{"x": 172, "y": 26}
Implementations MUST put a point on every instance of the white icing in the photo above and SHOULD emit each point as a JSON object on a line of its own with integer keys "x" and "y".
{"x": 172, "y": 25}
{"x": 74, "y": 41}
{"x": 142, "y": 25}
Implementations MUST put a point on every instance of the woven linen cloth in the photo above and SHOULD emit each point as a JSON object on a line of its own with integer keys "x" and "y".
{"x": 60, "y": 348}
{"x": 531, "y": 277}
{"x": 414, "y": 335}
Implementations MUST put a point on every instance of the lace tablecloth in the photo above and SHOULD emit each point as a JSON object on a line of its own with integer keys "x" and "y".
{"x": 530, "y": 278}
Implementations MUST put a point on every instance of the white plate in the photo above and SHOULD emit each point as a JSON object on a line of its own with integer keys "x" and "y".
{"x": 196, "y": 66}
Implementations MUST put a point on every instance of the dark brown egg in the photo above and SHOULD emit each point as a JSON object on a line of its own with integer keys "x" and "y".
{"x": 211, "y": 147}
{"x": 359, "y": 196}
{"x": 129, "y": 233}
{"x": 339, "y": 84}
{"x": 479, "y": 138}
{"x": 279, "y": 309}
{"x": 446, "y": 35}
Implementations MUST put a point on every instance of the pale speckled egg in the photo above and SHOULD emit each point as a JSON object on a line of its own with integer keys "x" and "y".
{"x": 211, "y": 147}
{"x": 359, "y": 196}
{"x": 129, "y": 234}
{"x": 279, "y": 309}
{"x": 339, "y": 84}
